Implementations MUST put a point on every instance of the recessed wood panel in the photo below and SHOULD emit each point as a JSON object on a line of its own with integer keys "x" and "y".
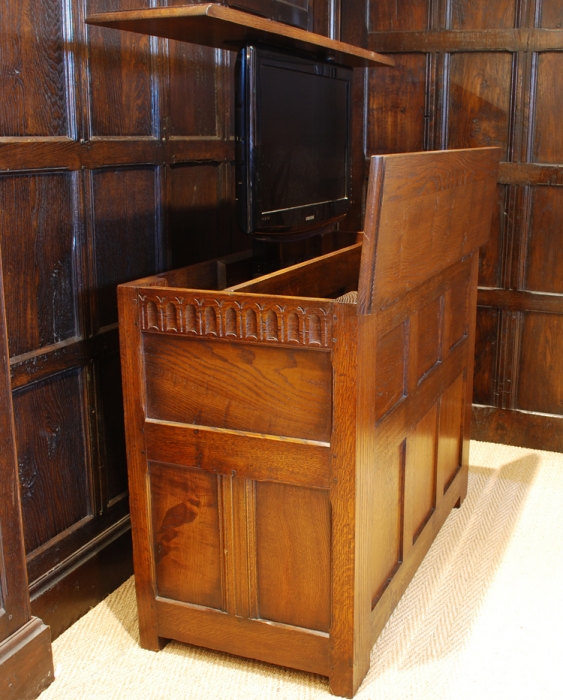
{"x": 120, "y": 77}
{"x": 458, "y": 322}
{"x": 450, "y": 433}
{"x": 193, "y": 71}
{"x": 37, "y": 252}
{"x": 390, "y": 15}
{"x": 293, "y": 555}
{"x": 54, "y": 469}
{"x": 548, "y": 136}
{"x": 479, "y": 100}
{"x": 112, "y": 433}
{"x": 387, "y": 519}
{"x": 126, "y": 238}
{"x": 186, "y": 531}
{"x": 469, "y": 14}
{"x": 396, "y": 106}
{"x": 32, "y": 46}
{"x": 390, "y": 369}
{"x": 486, "y": 348}
{"x": 551, "y": 15}
{"x": 540, "y": 385}
{"x": 197, "y": 227}
{"x": 420, "y": 475}
{"x": 490, "y": 259}
{"x": 279, "y": 391}
{"x": 544, "y": 260}
{"x": 429, "y": 336}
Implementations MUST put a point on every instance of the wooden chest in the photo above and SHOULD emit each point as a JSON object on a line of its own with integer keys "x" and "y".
{"x": 291, "y": 455}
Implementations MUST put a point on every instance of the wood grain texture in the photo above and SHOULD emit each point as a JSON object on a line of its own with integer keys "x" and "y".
{"x": 124, "y": 198}
{"x": 466, "y": 14}
{"x": 437, "y": 194}
{"x": 544, "y": 256}
{"x": 55, "y": 476}
{"x": 541, "y": 361}
{"x": 120, "y": 76}
{"x": 479, "y": 100}
{"x": 385, "y": 400}
{"x": 548, "y": 143}
{"x": 420, "y": 477}
{"x": 239, "y": 387}
{"x": 42, "y": 311}
{"x": 221, "y": 27}
{"x": 227, "y": 452}
{"x": 293, "y": 560}
{"x": 187, "y": 535}
{"x": 256, "y": 639}
{"x": 26, "y": 661}
{"x": 397, "y": 110}
{"x": 33, "y": 57}
{"x": 13, "y": 579}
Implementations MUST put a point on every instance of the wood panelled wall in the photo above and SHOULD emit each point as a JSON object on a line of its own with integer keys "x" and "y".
{"x": 488, "y": 74}
{"x": 116, "y": 161}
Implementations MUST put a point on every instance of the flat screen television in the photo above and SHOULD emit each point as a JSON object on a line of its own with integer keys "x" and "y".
{"x": 293, "y": 142}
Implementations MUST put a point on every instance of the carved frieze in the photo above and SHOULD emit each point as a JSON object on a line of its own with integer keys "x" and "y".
{"x": 243, "y": 318}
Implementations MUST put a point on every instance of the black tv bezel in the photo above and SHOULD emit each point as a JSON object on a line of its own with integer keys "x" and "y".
{"x": 288, "y": 221}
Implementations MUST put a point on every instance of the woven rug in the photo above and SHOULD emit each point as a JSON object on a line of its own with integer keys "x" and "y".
{"x": 482, "y": 618}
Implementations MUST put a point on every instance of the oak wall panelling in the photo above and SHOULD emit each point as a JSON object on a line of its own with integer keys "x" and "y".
{"x": 483, "y": 74}
{"x": 116, "y": 155}
{"x": 26, "y": 661}
{"x": 116, "y": 162}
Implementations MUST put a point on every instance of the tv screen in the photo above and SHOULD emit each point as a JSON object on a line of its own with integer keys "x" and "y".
{"x": 292, "y": 142}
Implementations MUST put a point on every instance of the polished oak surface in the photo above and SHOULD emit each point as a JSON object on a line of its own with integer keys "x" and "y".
{"x": 224, "y": 28}
{"x": 292, "y": 456}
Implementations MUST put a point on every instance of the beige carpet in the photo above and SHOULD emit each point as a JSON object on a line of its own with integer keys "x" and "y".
{"x": 483, "y": 617}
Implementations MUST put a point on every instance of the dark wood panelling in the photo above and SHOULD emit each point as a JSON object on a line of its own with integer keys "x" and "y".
{"x": 479, "y": 100}
{"x": 293, "y": 555}
{"x": 513, "y": 40}
{"x": 90, "y": 200}
{"x": 125, "y": 232}
{"x": 56, "y": 492}
{"x": 544, "y": 260}
{"x": 189, "y": 117}
{"x": 551, "y": 17}
{"x": 468, "y": 14}
{"x": 199, "y": 223}
{"x": 390, "y": 16}
{"x": 492, "y": 74}
{"x": 541, "y": 364}
{"x": 486, "y": 348}
{"x": 33, "y": 70}
{"x": 111, "y": 429}
{"x": 548, "y": 136}
{"x": 38, "y": 247}
{"x": 120, "y": 98}
{"x": 492, "y": 255}
{"x": 521, "y": 428}
{"x": 396, "y": 106}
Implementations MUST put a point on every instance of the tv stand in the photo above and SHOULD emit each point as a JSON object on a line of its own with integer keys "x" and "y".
{"x": 293, "y": 453}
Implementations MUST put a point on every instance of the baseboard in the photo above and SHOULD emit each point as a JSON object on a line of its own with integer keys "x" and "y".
{"x": 26, "y": 662}
{"x": 509, "y": 427}
{"x": 70, "y": 590}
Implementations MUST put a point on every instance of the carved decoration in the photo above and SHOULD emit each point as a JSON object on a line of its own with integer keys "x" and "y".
{"x": 276, "y": 321}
